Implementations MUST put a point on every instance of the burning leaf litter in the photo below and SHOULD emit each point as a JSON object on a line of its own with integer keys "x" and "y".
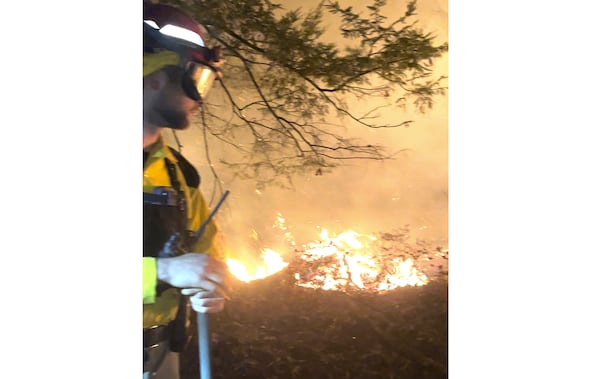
{"x": 345, "y": 262}
{"x": 344, "y": 306}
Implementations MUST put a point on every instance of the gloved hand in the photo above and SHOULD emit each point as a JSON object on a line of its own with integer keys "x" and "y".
{"x": 198, "y": 271}
{"x": 204, "y": 301}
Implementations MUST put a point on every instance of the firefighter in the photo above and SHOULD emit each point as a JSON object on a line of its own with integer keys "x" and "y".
{"x": 176, "y": 265}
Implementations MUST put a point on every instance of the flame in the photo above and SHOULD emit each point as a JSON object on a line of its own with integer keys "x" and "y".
{"x": 273, "y": 263}
{"x": 349, "y": 261}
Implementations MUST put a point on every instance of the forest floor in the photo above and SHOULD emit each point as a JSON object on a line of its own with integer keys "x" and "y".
{"x": 272, "y": 328}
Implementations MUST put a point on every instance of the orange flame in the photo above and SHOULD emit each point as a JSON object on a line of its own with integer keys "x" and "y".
{"x": 347, "y": 261}
{"x": 272, "y": 263}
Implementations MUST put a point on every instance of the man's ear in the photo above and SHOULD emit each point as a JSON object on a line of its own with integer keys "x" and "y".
{"x": 157, "y": 81}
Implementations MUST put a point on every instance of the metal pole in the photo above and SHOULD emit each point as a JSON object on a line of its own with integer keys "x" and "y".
{"x": 204, "y": 345}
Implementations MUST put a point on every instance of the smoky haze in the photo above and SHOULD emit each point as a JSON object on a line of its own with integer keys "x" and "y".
{"x": 364, "y": 195}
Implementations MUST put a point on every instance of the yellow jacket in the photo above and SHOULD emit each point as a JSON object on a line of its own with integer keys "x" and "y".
{"x": 160, "y": 310}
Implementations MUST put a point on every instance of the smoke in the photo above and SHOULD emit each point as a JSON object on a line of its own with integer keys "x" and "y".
{"x": 367, "y": 196}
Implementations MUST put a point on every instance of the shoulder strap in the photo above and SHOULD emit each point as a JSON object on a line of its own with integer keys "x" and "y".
{"x": 192, "y": 178}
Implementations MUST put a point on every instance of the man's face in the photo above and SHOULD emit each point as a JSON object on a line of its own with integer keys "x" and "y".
{"x": 175, "y": 107}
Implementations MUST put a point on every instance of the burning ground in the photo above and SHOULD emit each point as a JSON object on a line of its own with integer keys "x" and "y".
{"x": 327, "y": 314}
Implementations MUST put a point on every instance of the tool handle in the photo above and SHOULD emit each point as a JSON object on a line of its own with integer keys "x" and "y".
{"x": 203, "y": 318}
{"x": 204, "y": 345}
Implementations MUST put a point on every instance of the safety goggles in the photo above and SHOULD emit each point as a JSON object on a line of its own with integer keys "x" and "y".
{"x": 198, "y": 80}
